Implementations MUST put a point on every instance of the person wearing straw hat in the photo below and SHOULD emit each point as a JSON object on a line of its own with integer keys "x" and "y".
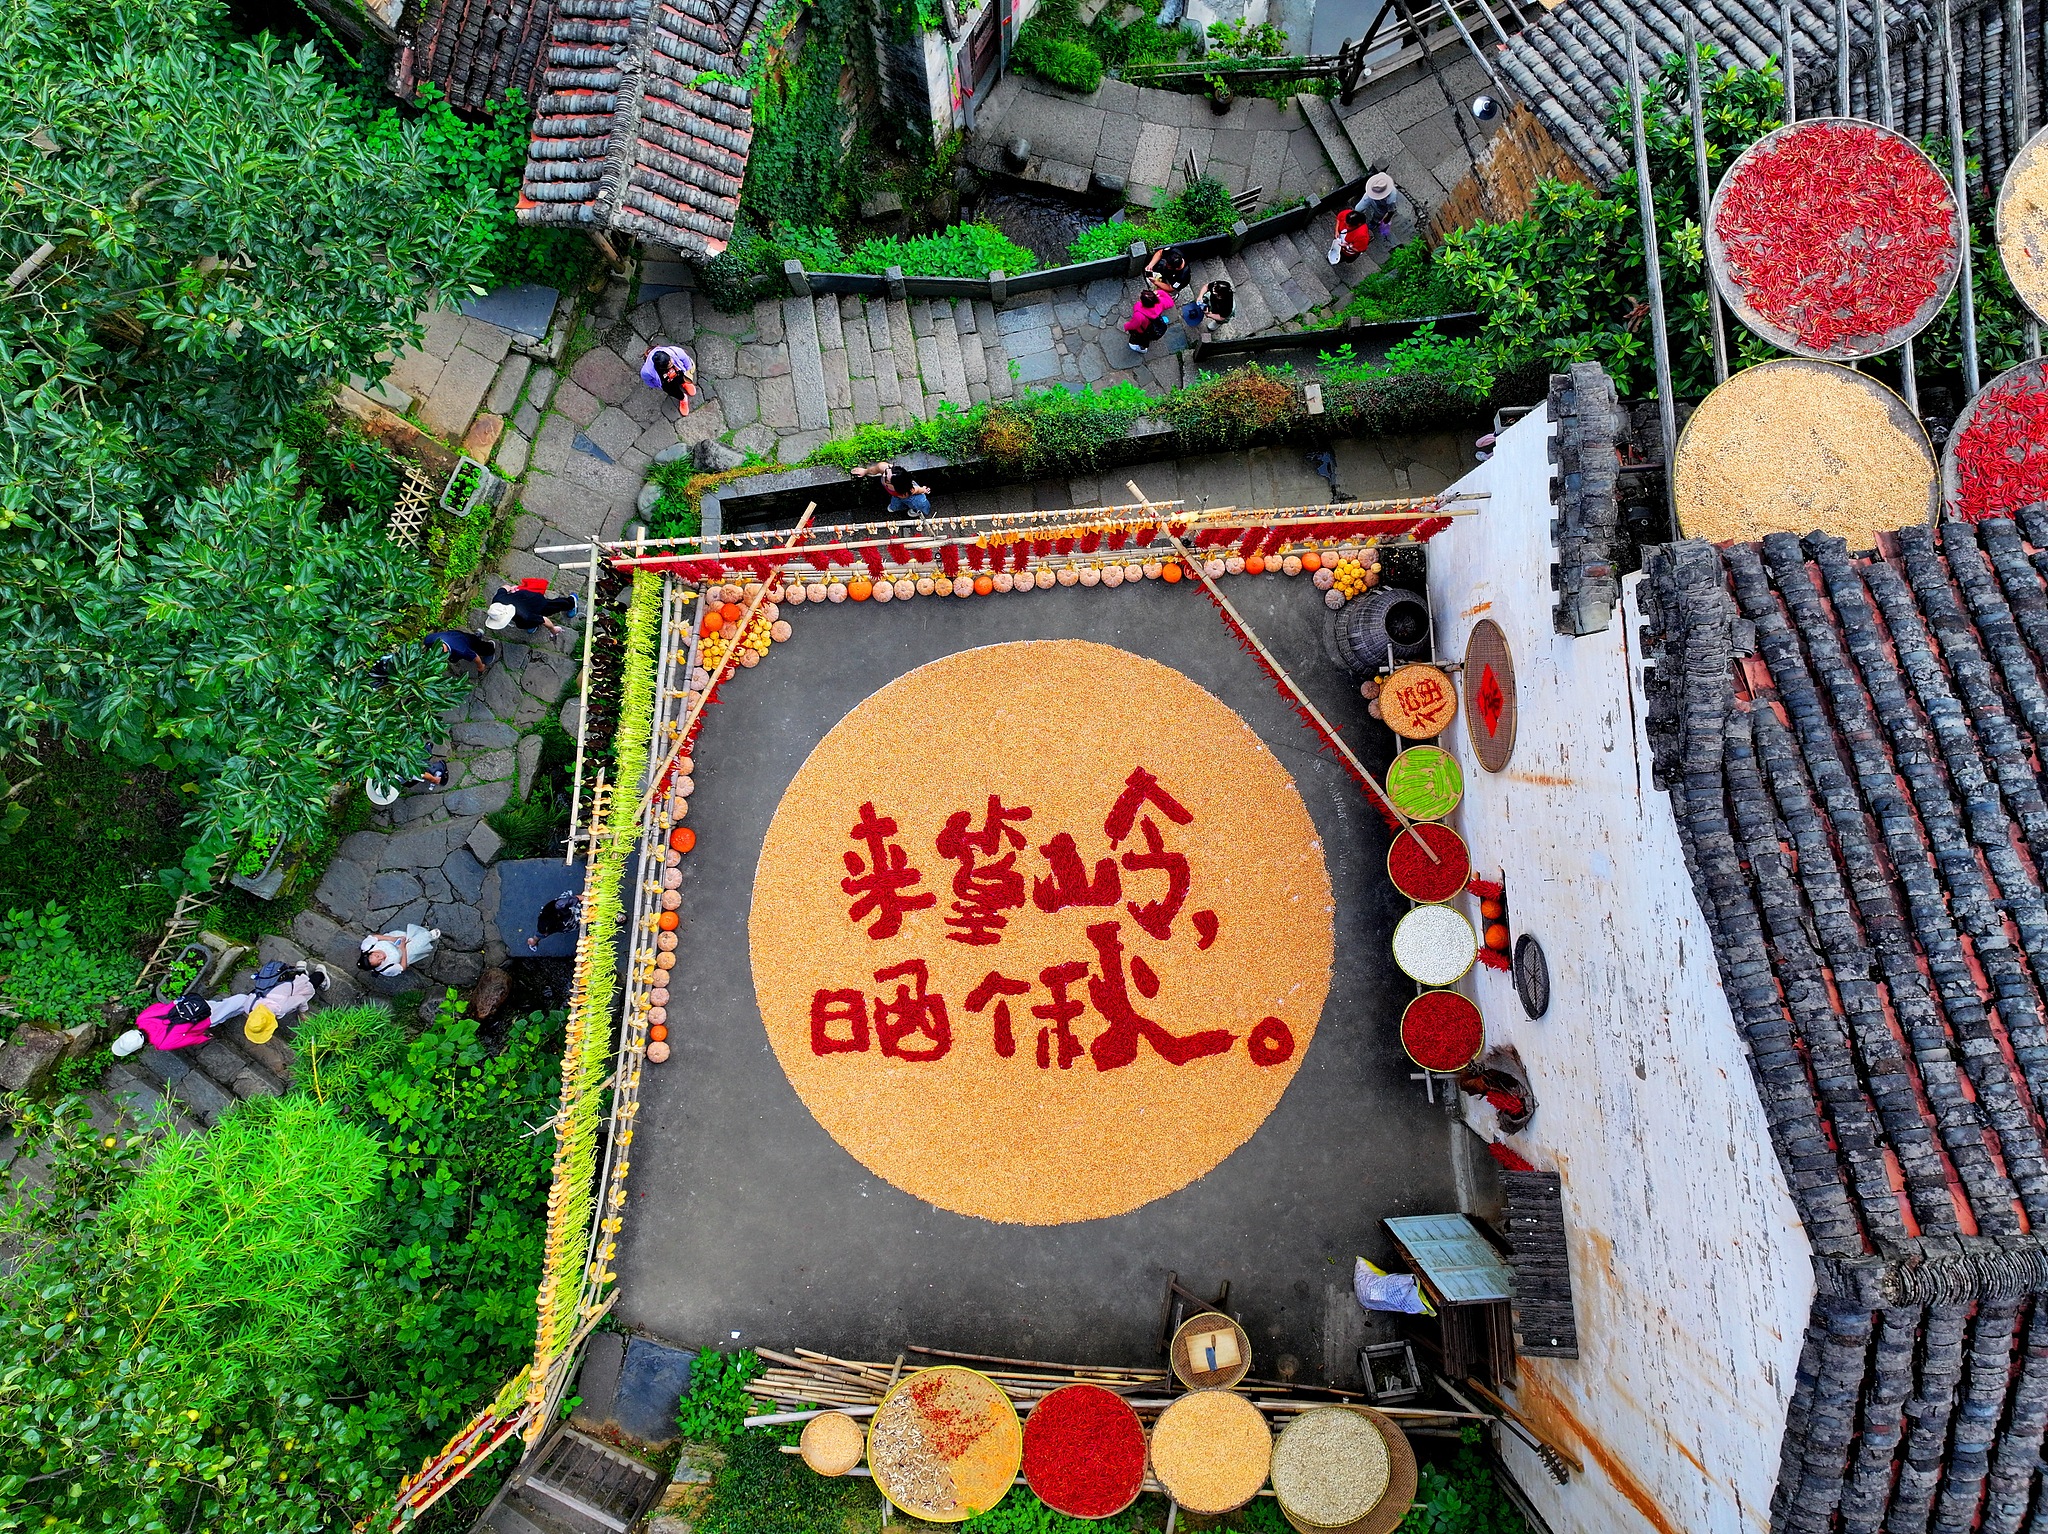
{"x": 191, "y": 1019}
{"x": 527, "y": 607}
{"x": 1365, "y": 220}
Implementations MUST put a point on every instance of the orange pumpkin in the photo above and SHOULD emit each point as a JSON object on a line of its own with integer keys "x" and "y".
{"x": 669, "y": 921}
{"x": 861, "y": 588}
{"x": 713, "y": 623}
{"x": 1311, "y": 561}
{"x": 1255, "y": 564}
{"x": 682, "y": 838}
{"x": 1497, "y": 937}
{"x": 658, "y": 1032}
{"x": 983, "y": 585}
{"x": 1492, "y": 910}
{"x": 730, "y": 612}
{"x": 1170, "y": 574}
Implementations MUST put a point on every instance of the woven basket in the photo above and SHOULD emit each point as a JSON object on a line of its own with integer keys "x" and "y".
{"x": 1137, "y": 1487}
{"x": 1478, "y": 1031}
{"x": 1184, "y": 1368}
{"x": 1254, "y": 1486}
{"x": 881, "y": 1482}
{"x": 1401, "y": 1483}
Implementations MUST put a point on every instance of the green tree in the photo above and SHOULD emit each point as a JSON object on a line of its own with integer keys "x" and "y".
{"x": 202, "y": 235}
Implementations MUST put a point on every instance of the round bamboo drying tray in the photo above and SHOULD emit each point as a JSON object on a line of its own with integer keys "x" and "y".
{"x": 1333, "y": 1461}
{"x": 1459, "y": 1005}
{"x": 1770, "y": 450}
{"x": 1427, "y": 882}
{"x": 833, "y": 1443}
{"x": 1417, "y": 701}
{"x": 1425, "y": 782}
{"x": 2027, "y": 378}
{"x": 998, "y": 1462}
{"x": 1435, "y": 944}
{"x": 1400, "y": 1495}
{"x": 1135, "y": 1427}
{"x": 1737, "y": 298}
{"x": 2023, "y": 224}
{"x": 1184, "y": 1368}
{"x": 1205, "y": 1426}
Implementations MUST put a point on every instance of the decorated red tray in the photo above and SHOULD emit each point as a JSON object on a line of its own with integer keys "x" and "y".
{"x": 1418, "y": 878}
{"x": 1996, "y": 459}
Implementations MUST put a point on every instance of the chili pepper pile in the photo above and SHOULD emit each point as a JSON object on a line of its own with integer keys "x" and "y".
{"x": 1084, "y": 1452}
{"x": 1441, "y": 1031}
{"x": 1415, "y": 876}
{"x": 1837, "y": 233}
{"x": 2001, "y": 454}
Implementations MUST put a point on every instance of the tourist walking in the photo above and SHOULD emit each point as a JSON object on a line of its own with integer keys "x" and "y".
{"x": 1365, "y": 220}
{"x": 558, "y": 915}
{"x": 905, "y": 494}
{"x": 1168, "y": 268}
{"x": 276, "y": 991}
{"x": 1210, "y": 309}
{"x": 391, "y": 954}
{"x": 673, "y": 371}
{"x": 528, "y": 606}
{"x": 464, "y": 649}
{"x": 1148, "y": 317}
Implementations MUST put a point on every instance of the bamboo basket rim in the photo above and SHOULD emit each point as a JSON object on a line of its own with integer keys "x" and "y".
{"x": 804, "y": 1444}
{"x": 1137, "y": 1491}
{"x": 882, "y": 1485}
{"x": 1477, "y": 1049}
{"x": 1416, "y": 831}
{"x": 1153, "y": 1466}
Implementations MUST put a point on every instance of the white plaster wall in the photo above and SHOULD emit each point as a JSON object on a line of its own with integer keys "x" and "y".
{"x": 1690, "y": 1272}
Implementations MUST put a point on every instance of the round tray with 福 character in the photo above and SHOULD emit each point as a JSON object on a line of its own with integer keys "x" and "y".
{"x": 1211, "y": 1450}
{"x": 1343, "y": 1470}
{"x": 1084, "y": 1452}
{"x": 1210, "y": 1352}
{"x": 945, "y": 1444}
{"x": 832, "y": 1443}
{"x": 1417, "y": 701}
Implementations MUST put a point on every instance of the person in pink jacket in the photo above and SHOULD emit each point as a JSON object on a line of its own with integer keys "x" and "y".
{"x": 191, "y": 1019}
{"x": 1148, "y": 317}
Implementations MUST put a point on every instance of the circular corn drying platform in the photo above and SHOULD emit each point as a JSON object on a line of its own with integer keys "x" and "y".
{"x": 2023, "y": 224}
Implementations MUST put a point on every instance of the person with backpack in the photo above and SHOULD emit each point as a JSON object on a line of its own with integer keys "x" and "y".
{"x": 1210, "y": 309}
{"x": 906, "y": 495}
{"x": 275, "y": 991}
{"x": 1148, "y": 317}
{"x": 673, "y": 371}
{"x": 528, "y": 606}
{"x": 463, "y": 648}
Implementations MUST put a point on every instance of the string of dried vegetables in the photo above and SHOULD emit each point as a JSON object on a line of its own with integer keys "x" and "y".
{"x": 1999, "y": 453}
{"x": 1842, "y": 235}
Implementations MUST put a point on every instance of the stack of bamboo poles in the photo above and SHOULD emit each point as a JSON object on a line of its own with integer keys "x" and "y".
{"x": 806, "y": 1383}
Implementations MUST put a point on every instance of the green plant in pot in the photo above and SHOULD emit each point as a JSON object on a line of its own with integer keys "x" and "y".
{"x": 1220, "y": 94}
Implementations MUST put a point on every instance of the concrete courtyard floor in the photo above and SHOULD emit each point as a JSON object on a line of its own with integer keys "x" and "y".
{"x": 747, "y": 1220}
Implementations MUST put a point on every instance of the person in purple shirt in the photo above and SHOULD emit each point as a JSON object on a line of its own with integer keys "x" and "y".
{"x": 671, "y": 370}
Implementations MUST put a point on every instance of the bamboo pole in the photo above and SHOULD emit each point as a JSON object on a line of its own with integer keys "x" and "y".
{"x": 1329, "y": 730}
{"x": 1953, "y": 92}
{"x": 582, "y": 713}
{"x": 732, "y": 656}
{"x": 1719, "y": 331}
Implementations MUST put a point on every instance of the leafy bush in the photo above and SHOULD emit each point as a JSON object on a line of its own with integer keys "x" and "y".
{"x": 1240, "y": 39}
{"x": 801, "y": 170}
{"x": 342, "y": 464}
{"x": 1098, "y": 242}
{"x": 48, "y": 976}
{"x": 1053, "y": 45}
{"x": 1233, "y": 409}
{"x": 964, "y": 250}
{"x": 1413, "y": 285}
{"x": 1459, "y": 363}
{"x": 1142, "y": 40}
{"x": 338, "y": 1052}
{"x": 1037, "y": 432}
{"x": 1201, "y": 208}
{"x": 718, "y": 1405}
{"x": 1467, "y": 1500}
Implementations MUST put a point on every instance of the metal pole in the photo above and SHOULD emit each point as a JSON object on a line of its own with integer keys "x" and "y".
{"x": 1841, "y": 58}
{"x": 1699, "y": 164}
{"x": 2023, "y": 109}
{"x": 1785, "y": 66}
{"x": 1960, "y": 172}
{"x": 1493, "y": 21}
{"x": 1667, "y": 413}
{"x": 1881, "y": 39}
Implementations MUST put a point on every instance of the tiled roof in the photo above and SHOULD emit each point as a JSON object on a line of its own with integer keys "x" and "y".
{"x": 638, "y": 127}
{"x": 1853, "y": 746}
{"x": 478, "y": 50}
{"x": 1570, "y": 64}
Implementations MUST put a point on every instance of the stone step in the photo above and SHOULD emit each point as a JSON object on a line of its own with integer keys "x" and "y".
{"x": 202, "y": 1097}
{"x": 952, "y": 366}
{"x": 1375, "y": 146}
{"x": 1307, "y": 266}
{"x": 1329, "y": 132}
{"x": 1254, "y": 314}
{"x": 806, "y": 365}
{"x": 142, "y": 1102}
{"x": 1273, "y": 285}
